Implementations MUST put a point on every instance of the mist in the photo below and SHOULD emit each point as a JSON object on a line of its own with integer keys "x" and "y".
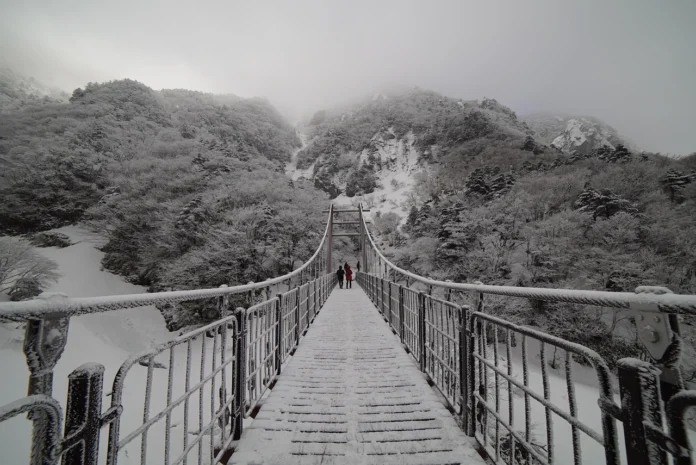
{"x": 630, "y": 63}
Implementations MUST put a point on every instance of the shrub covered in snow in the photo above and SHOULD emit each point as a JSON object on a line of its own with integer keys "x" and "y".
{"x": 23, "y": 271}
{"x": 50, "y": 239}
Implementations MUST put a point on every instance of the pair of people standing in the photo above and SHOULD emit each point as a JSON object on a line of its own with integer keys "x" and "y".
{"x": 348, "y": 273}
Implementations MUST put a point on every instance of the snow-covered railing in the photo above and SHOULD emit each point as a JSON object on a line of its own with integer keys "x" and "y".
{"x": 490, "y": 359}
{"x": 58, "y": 306}
{"x": 217, "y": 368}
{"x": 257, "y": 339}
{"x": 234, "y": 372}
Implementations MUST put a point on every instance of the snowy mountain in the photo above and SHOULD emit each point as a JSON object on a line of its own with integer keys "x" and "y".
{"x": 381, "y": 175}
{"x": 373, "y": 152}
{"x": 574, "y": 134}
{"x": 17, "y": 90}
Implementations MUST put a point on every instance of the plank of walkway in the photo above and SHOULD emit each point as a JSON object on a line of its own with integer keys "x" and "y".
{"x": 352, "y": 395}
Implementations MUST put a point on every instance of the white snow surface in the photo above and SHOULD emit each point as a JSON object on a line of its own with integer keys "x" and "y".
{"x": 352, "y": 395}
{"x": 395, "y": 180}
{"x": 350, "y": 372}
{"x": 586, "y": 393}
{"x": 335, "y": 341}
{"x": 106, "y": 338}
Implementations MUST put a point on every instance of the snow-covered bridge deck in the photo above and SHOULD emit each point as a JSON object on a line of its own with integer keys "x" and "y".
{"x": 352, "y": 395}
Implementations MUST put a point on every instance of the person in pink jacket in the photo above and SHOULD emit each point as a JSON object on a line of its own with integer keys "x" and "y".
{"x": 349, "y": 276}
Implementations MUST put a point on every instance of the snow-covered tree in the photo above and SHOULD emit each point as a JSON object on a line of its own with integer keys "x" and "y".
{"x": 23, "y": 271}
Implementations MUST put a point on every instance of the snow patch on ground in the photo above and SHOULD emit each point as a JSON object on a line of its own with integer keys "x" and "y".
{"x": 106, "y": 338}
{"x": 586, "y": 391}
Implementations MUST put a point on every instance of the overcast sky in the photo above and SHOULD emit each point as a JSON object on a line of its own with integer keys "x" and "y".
{"x": 631, "y": 63}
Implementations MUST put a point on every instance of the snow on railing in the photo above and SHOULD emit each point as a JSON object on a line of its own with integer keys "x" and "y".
{"x": 235, "y": 371}
{"x": 256, "y": 340}
{"x": 64, "y": 306}
{"x": 667, "y": 302}
{"x": 482, "y": 364}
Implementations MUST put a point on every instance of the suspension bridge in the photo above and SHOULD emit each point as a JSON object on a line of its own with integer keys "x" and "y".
{"x": 402, "y": 369}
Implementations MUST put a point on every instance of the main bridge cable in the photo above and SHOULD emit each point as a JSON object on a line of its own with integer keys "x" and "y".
{"x": 668, "y": 303}
{"x": 59, "y": 306}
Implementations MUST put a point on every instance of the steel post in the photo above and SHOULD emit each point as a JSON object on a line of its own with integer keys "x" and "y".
{"x": 240, "y": 388}
{"x": 279, "y": 333}
{"x": 329, "y": 240}
{"x": 297, "y": 317}
{"x": 314, "y": 284}
{"x": 462, "y": 366}
{"x": 639, "y": 384}
{"x": 677, "y": 407}
{"x": 421, "y": 330}
{"x": 83, "y": 415}
{"x": 401, "y": 313}
{"x": 44, "y": 341}
{"x": 389, "y": 307}
{"x": 469, "y": 381}
{"x": 381, "y": 296}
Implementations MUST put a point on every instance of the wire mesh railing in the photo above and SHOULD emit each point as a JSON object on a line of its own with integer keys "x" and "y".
{"x": 192, "y": 379}
{"x": 290, "y": 334}
{"x": 501, "y": 375}
{"x": 430, "y": 331}
{"x": 531, "y": 398}
{"x": 443, "y": 323}
{"x": 411, "y": 327}
{"x": 180, "y": 402}
{"x": 263, "y": 351}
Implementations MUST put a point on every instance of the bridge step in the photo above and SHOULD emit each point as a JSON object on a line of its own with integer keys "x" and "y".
{"x": 351, "y": 395}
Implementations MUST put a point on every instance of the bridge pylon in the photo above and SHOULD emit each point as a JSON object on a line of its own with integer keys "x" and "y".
{"x": 333, "y": 212}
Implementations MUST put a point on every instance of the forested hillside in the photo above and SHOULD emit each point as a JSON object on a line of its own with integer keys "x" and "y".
{"x": 468, "y": 192}
{"x": 352, "y": 149}
{"x": 17, "y": 91}
{"x": 611, "y": 220}
{"x": 187, "y": 187}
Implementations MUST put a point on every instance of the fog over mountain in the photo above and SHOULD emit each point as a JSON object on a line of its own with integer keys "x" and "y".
{"x": 629, "y": 63}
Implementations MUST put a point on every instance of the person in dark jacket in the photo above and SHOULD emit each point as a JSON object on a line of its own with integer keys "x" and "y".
{"x": 340, "y": 273}
{"x": 358, "y": 267}
{"x": 349, "y": 277}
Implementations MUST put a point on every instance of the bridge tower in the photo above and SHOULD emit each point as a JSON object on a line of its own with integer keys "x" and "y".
{"x": 335, "y": 214}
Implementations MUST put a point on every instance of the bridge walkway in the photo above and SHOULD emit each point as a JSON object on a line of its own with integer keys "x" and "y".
{"x": 352, "y": 395}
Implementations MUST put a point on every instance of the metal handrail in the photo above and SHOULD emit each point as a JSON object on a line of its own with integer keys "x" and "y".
{"x": 641, "y": 408}
{"x": 53, "y": 413}
{"x": 63, "y": 306}
{"x": 670, "y": 303}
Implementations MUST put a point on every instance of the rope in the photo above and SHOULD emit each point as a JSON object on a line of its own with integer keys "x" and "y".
{"x": 53, "y": 305}
{"x": 666, "y": 301}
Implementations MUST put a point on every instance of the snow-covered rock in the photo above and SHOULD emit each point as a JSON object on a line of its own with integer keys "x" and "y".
{"x": 582, "y": 135}
{"x": 574, "y": 134}
{"x": 291, "y": 169}
{"x": 394, "y": 162}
